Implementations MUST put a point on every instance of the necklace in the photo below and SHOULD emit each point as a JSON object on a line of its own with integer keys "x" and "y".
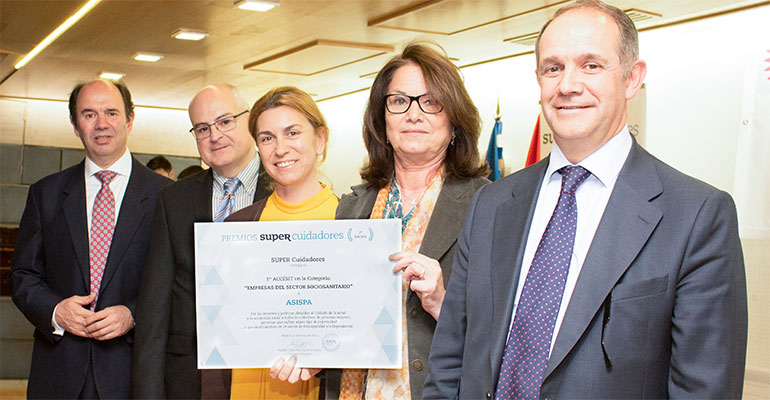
{"x": 394, "y": 205}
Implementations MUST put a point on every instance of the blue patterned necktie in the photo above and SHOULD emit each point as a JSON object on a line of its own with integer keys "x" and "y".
{"x": 529, "y": 343}
{"x": 227, "y": 203}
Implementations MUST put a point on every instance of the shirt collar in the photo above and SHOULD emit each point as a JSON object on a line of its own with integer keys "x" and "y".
{"x": 247, "y": 176}
{"x": 122, "y": 166}
{"x": 604, "y": 163}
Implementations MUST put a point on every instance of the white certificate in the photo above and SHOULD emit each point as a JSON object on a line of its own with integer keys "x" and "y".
{"x": 324, "y": 291}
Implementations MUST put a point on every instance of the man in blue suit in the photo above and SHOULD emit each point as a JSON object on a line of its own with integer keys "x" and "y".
{"x": 628, "y": 284}
{"x": 80, "y": 252}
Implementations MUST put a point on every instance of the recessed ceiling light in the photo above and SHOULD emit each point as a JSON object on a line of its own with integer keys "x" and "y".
{"x": 57, "y": 32}
{"x": 256, "y": 5}
{"x": 189, "y": 34}
{"x": 149, "y": 57}
{"x": 111, "y": 75}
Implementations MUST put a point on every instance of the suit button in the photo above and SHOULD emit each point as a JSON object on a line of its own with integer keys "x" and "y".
{"x": 417, "y": 365}
{"x": 489, "y": 396}
{"x": 413, "y": 313}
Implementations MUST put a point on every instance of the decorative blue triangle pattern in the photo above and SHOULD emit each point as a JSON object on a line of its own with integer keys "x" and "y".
{"x": 213, "y": 278}
{"x": 211, "y": 312}
{"x": 215, "y": 359}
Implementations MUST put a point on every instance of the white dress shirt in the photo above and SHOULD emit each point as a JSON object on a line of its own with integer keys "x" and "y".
{"x": 592, "y": 197}
{"x": 122, "y": 168}
{"x": 118, "y": 184}
{"x": 244, "y": 196}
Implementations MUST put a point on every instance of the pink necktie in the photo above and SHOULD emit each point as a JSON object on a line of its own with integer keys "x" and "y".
{"x": 102, "y": 226}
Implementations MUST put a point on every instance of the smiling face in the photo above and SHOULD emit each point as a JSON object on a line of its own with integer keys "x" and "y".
{"x": 101, "y": 123}
{"x": 289, "y": 146}
{"x": 583, "y": 91}
{"x": 226, "y": 152}
{"x": 416, "y": 137}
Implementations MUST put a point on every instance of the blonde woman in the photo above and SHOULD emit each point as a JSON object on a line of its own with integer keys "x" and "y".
{"x": 291, "y": 136}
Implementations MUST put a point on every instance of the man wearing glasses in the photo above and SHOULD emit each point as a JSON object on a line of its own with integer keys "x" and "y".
{"x": 165, "y": 363}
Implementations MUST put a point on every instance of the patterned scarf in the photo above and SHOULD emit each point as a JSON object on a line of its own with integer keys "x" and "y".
{"x": 394, "y": 383}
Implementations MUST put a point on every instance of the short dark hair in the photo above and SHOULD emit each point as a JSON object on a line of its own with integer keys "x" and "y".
{"x": 628, "y": 45}
{"x": 191, "y": 170}
{"x": 443, "y": 79}
{"x": 160, "y": 162}
{"x": 128, "y": 105}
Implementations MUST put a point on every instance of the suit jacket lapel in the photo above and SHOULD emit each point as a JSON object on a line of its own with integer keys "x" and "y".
{"x": 202, "y": 198}
{"x": 132, "y": 212}
{"x": 358, "y": 204}
{"x": 74, "y": 209}
{"x": 445, "y": 225}
{"x": 264, "y": 184}
{"x": 628, "y": 221}
{"x": 509, "y": 239}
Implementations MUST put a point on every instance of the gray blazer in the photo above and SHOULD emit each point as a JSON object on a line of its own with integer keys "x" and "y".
{"x": 658, "y": 311}
{"x": 439, "y": 243}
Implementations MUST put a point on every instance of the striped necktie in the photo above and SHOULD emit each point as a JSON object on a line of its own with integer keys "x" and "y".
{"x": 227, "y": 204}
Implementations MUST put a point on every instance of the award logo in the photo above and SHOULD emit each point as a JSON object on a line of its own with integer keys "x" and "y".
{"x": 331, "y": 342}
{"x": 360, "y": 235}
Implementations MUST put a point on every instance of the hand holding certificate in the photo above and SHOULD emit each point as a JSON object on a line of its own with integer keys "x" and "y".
{"x": 324, "y": 291}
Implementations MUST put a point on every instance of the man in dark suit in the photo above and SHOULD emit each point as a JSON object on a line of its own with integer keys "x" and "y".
{"x": 599, "y": 272}
{"x": 80, "y": 253}
{"x": 166, "y": 346}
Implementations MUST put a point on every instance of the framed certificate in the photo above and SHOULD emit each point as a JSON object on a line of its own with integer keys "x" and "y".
{"x": 324, "y": 291}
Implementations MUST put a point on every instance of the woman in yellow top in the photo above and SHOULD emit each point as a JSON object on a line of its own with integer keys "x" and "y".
{"x": 291, "y": 135}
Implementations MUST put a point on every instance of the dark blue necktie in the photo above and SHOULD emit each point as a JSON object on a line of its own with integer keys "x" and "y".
{"x": 529, "y": 344}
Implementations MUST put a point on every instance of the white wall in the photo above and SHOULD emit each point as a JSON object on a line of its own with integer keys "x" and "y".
{"x": 345, "y": 152}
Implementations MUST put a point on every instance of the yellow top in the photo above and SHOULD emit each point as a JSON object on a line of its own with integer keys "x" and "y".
{"x": 322, "y": 205}
{"x": 257, "y": 383}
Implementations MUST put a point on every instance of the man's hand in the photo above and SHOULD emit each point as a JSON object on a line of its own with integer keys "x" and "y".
{"x": 72, "y": 312}
{"x": 109, "y": 323}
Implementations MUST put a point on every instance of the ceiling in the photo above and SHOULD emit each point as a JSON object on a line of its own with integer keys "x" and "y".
{"x": 325, "y": 47}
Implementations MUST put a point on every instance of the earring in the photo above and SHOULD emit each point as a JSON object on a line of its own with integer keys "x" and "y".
{"x": 452, "y": 142}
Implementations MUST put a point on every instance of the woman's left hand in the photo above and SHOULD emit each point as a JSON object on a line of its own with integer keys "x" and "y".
{"x": 287, "y": 371}
{"x": 425, "y": 277}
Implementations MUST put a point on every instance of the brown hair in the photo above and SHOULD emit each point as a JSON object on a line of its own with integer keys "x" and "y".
{"x": 628, "y": 45}
{"x": 292, "y": 97}
{"x": 443, "y": 79}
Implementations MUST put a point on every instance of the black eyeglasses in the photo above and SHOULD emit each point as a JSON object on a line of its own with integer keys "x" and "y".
{"x": 203, "y": 130}
{"x": 399, "y": 103}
